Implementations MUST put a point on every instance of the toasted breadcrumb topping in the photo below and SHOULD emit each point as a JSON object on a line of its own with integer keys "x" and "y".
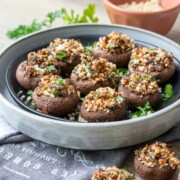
{"x": 55, "y": 86}
{"x": 140, "y": 83}
{"x": 112, "y": 173}
{"x": 96, "y": 70}
{"x": 38, "y": 63}
{"x": 116, "y": 42}
{"x": 157, "y": 154}
{"x": 149, "y": 60}
{"x": 148, "y": 6}
{"x": 66, "y": 49}
{"x": 103, "y": 99}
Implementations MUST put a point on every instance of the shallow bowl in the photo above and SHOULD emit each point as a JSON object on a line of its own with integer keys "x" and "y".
{"x": 88, "y": 136}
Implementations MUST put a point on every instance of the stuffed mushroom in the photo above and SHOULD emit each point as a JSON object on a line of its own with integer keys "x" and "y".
{"x": 154, "y": 61}
{"x": 103, "y": 105}
{"x": 155, "y": 162}
{"x": 115, "y": 47}
{"x": 30, "y": 72}
{"x": 137, "y": 89}
{"x": 112, "y": 173}
{"x": 67, "y": 52}
{"x": 55, "y": 96}
{"x": 90, "y": 75}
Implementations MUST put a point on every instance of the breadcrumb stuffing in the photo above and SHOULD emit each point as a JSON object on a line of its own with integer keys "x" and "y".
{"x": 147, "y": 60}
{"x": 157, "y": 154}
{"x": 115, "y": 41}
{"x": 103, "y": 99}
{"x": 55, "y": 86}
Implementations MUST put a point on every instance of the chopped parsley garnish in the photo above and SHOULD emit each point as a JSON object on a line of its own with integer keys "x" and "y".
{"x": 61, "y": 55}
{"x": 89, "y": 48}
{"x": 96, "y": 95}
{"x": 123, "y": 169}
{"x": 112, "y": 77}
{"x": 112, "y": 45}
{"x": 119, "y": 99}
{"x": 153, "y": 79}
{"x": 50, "y": 68}
{"x": 89, "y": 69}
{"x": 142, "y": 111}
{"x": 122, "y": 71}
{"x": 88, "y": 16}
{"x": 168, "y": 92}
{"x": 59, "y": 82}
{"x": 30, "y": 92}
{"x": 56, "y": 93}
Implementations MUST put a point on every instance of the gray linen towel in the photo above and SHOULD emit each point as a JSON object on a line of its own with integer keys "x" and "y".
{"x": 22, "y": 158}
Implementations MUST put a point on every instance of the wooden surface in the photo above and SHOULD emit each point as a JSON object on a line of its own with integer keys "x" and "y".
{"x": 15, "y": 12}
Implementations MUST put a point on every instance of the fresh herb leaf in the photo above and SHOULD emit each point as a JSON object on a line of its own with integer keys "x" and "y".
{"x": 112, "y": 45}
{"x": 59, "y": 82}
{"x": 123, "y": 169}
{"x": 56, "y": 93}
{"x": 112, "y": 77}
{"x": 88, "y": 16}
{"x": 142, "y": 111}
{"x": 153, "y": 79}
{"x": 89, "y": 69}
{"x": 61, "y": 56}
{"x": 168, "y": 92}
{"x": 89, "y": 48}
{"x": 30, "y": 92}
{"x": 122, "y": 72}
{"x": 52, "y": 16}
{"x": 23, "y": 30}
{"x": 119, "y": 99}
{"x": 96, "y": 95}
{"x": 49, "y": 68}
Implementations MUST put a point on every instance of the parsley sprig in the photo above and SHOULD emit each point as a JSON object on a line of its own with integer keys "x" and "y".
{"x": 88, "y": 16}
{"x": 50, "y": 68}
{"x": 89, "y": 47}
{"x": 168, "y": 92}
{"x": 122, "y": 72}
{"x": 142, "y": 111}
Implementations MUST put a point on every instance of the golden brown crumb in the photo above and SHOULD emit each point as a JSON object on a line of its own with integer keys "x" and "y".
{"x": 55, "y": 86}
{"x": 112, "y": 173}
{"x": 140, "y": 83}
{"x": 96, "y": 70}
{"x": 38, "y": 63}
{"x": 103, "y": 99}
{"x": 66, "y": 49}
{"x": 149, "y": 60}
{"x": 157, "y": 154}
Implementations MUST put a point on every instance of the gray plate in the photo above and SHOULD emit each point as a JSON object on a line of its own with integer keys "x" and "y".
{"x": 91, "y": 136}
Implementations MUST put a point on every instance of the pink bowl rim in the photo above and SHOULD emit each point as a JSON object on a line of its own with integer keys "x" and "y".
{"x": 109, "y": 3}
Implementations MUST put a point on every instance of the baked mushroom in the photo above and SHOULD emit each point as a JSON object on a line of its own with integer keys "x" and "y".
{"x": 115, "y": 47}
{"x": 112, "y": 173}
{"x": 155, "y": 162}
{"x": 67, "y": 52}
{"x": 90, "y": 75}
{"x": 55, "y": 96}
{"x": 137, "y": 89}
{"x": 30, "y": 72}
{"x": 153, "y": 61}
{"x": 103, "y": 105}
